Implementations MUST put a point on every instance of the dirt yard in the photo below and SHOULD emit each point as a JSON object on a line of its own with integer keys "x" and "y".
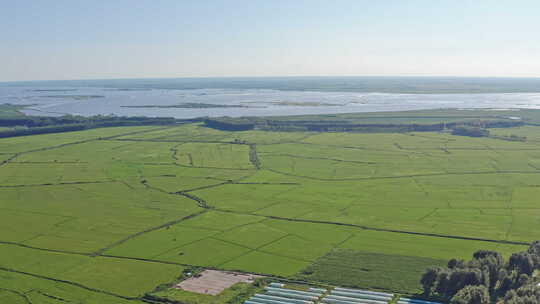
{"x": 213, "y": 282}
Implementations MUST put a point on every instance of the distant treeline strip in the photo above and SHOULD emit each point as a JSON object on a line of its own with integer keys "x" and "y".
{"x": 243, "y": 124}
{"x": 32, "y": 125}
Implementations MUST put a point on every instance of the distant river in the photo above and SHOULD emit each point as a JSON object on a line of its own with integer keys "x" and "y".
{"x": 87, "y": 101}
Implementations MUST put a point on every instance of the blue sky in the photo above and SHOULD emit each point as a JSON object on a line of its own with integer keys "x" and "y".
{"x": 61, "y": 39}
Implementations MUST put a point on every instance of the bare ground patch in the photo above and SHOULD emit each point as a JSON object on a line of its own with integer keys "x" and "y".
{"x": 213, "y": 282}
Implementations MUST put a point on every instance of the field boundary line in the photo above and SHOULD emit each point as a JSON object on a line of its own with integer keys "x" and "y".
{"x": 256, "y": 249}
{"x": 425, "y": 216}
{"x": 39, "y": 276}
{"x": 173, "y": 141}
{"x": 57, "y": 184}
{"x": 121, "y": 257}
{"x": 18, "y": 293}
{"x": 9, "y": 159}
{"x": 91, "y": 255}
{"x": 100, "y": 252}
{"x": 400, "y": 231}
{"x": 50, "y": 162}
{"x": 17, "y": 154}
{"x": 205, "y": 187}
{"x": 466, "y": 238}
{"x": 321, "y": 158}
{"x": 50, "y": 296}
{"x": 511, "y": 209}
{"x": 113, "y": 137}
{"x": 231, "y": 182}
{"x": 253, "y": 158}
{"x": 196, "y": 167}
{"x": 44, "y": 249}
{"x": 268, "y": 183}
{"x": 403, "y": 176}
{"x": 200, "y": 202}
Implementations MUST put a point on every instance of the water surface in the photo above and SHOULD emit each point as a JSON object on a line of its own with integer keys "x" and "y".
{"x": 88, "y": 101}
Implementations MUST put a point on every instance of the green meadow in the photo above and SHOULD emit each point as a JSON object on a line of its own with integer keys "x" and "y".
{"x": 109, "y": 215}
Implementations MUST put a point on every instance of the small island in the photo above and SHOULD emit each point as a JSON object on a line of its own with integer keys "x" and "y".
{"x": 53, "y": 90}
{"x": 305, "y": 104}
{"x": 74, "y": 97}
{"x": 189, "y": 105}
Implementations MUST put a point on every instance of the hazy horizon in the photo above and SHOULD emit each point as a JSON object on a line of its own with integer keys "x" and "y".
{"x": 66, "y": 40}
{"x": 273, "y": 77}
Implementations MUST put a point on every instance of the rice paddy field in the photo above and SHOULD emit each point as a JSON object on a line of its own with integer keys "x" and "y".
{"x": 109, "y": 215}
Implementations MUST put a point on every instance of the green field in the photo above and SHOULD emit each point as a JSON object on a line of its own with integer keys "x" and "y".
{"x": 107, "y": 215}
{"x": 358, "y": 269}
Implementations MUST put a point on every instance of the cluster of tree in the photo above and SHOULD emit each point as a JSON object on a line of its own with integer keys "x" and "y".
{"x": 511, "y": 137}
{"x": 275, "y": 124}
{"x": 41, "y": 121}
{"x": 230, "y": 124}
{"x": 40, "y": 125}
{"x": 528, "y": 294}
{"x": 41, "y": 130}
{"x": 487, "y": 278}
{"x": 470, "y": 131}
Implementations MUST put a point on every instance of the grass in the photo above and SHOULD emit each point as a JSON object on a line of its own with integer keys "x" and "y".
{"x": 214, "y": 155}
{"x": 37, "y": 142}
{"x": 73, "y": 217}
{"x": 359, "y": 269}
{"x": 161, "y": 199}
{"x": 101, "y": 273}
{"x": 40, "y": 290}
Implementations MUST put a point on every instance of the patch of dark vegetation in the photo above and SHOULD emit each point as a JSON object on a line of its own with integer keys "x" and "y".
{"x": 511, "y": 137}
{"x": 487, "y": 278}
{"x": 350, "y": 268}
{"x": 253, "y": 158}
{"x": 188, "y": 105}
{"x": 149, "y": 298}
{"x": 31, "y": 125}
{"x": 468, "y": 128}
{"x": 470, "y": 131}
{"x": 231, "y": 124}
{"x": 466, "y": 124}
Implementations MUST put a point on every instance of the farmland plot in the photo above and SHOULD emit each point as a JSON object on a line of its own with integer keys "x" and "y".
{"x": 123, "y": 210}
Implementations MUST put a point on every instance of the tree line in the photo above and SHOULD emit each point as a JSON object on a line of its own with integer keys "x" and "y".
{"x": 487, "y": 278}
{"x": 472, "y": 128}
{"x": 31, "y": 125}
